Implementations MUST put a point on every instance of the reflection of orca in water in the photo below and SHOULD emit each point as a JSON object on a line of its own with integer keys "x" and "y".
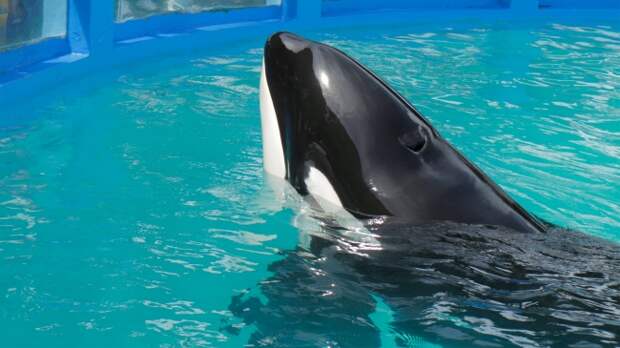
{"x": 457, "y": 285}
{"x": 448, "y": 255}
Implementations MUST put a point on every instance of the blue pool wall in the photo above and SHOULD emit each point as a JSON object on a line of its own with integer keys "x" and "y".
{"x": 95, "y": 40}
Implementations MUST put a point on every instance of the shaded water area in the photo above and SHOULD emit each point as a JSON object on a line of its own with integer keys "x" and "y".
{"x": 445, "y": 285}
{"x": 134, "y": 210}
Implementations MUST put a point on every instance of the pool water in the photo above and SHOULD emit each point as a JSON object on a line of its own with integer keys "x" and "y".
{"x": 133, "y": 208}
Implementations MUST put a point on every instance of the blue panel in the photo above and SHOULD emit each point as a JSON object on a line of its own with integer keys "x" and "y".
{"x": 578, "y": 4}
{"x": 94, "y": 39}
{"x": 309, "y": 10}
{"x": 289, "y": 8}
{"x": 78, "y": 25}
{"x": 31, "y": 54}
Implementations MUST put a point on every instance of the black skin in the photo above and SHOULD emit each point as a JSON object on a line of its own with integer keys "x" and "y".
{"x": 454, "y": 285}
{"x": 469, "y": 284}
{"x": 382, "y": 157}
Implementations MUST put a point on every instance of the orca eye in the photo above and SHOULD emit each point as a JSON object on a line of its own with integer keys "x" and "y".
{"x": 414, "y": 140}
{"x": 418, "y": 146}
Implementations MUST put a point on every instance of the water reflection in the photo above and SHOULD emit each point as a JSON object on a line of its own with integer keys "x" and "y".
{"x": 452, "y": 284}
{"x": 22, "y": 21}
{"x": 129, "y": 9}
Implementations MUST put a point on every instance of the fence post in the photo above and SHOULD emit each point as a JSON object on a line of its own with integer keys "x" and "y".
{"x": 91, "y": 26}
{"x": 524, "y": 5}
{"x": 302, "y": 9}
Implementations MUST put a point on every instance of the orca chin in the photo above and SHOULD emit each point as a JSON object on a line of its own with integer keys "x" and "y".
{"x": 338, "y": 133}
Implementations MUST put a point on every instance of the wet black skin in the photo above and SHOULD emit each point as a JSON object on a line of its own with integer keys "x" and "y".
{"x": 382, "y": 156}
{"x": 557, "y": 289}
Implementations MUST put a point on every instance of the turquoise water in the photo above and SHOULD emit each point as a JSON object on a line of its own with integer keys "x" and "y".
{"x": 133, "y": 206}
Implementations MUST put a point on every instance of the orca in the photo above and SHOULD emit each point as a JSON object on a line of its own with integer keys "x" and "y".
{"x": 443, "y": 264}
{"x": 340, "y": 135}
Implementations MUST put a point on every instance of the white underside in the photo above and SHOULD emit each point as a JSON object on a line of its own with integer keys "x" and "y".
{"x": 319, "y": 187}
{"x": 317, "y": 183}
{"x": 327, "y": 199}
{"x": 273, "y": 153}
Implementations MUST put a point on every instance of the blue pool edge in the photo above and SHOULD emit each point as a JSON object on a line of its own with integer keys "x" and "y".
{"x": 109, "y": 44}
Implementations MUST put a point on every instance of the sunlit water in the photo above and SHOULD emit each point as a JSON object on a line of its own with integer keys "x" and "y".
{"x": 134, "y": 212}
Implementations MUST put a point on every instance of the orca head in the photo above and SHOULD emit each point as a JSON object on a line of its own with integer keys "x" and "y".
{"x": 322, "y": 117}
{"x": 337, "y": 132}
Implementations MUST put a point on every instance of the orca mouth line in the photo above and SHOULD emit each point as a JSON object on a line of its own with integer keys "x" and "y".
{"x": 337, "y": 132}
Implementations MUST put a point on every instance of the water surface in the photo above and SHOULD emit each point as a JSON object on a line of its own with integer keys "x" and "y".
{"x": 134, "y": 213}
